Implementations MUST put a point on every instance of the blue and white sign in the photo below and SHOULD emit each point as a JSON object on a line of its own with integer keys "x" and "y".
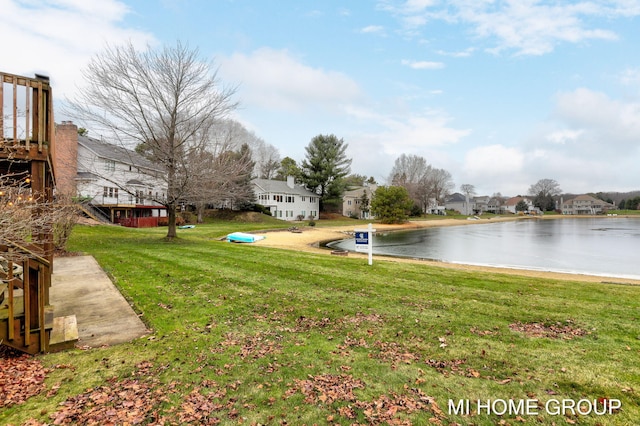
{"x": 364, "y": 241}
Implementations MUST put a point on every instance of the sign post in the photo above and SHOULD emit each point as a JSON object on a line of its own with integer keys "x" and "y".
{"x": 364, "y": 241}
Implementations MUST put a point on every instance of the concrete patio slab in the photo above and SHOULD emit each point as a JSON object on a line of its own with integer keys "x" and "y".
{"x": 80, "y": 287}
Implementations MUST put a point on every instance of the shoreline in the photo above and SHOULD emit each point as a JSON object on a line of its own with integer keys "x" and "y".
{"x": 311, "y": 240}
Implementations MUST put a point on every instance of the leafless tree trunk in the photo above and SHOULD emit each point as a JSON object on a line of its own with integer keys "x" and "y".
{"x": 163, "y": 100}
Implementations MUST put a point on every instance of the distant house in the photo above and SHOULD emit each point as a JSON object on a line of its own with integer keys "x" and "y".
{"x": 472, "y": 205}
{"x": 117, "y": 184}
{"x": 496, "y": 205}
{"x": 352, "y": 205}
{"x": 585, "y": 204}
{"x": 457, "y": 202}
{"x": 286, "y": 200}
{"x": 511, "y": 204}
{"x": 481, "y": 204}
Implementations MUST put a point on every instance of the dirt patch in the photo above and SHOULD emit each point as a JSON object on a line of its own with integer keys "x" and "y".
{"x": 557, "y": 330}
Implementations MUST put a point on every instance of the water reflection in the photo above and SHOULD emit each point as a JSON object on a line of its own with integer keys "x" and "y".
{"x": 605, "y": 246}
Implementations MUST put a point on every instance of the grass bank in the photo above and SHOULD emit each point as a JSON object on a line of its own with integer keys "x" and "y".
{"x": 255, "y": 335}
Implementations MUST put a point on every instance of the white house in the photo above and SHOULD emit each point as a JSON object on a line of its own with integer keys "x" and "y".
{"x": 118, "y": 182}
{"x": 286, "y": 200}
{"x": 511, "y": 204}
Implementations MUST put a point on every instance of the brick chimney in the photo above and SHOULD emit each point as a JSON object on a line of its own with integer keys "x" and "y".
{"x": 66, "y": 158}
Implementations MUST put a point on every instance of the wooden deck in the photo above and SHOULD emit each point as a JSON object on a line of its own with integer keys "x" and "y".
{"x": 27, "y": 132}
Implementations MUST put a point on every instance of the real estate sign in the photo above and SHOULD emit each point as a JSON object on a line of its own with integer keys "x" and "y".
{"x": 364, "y": 241}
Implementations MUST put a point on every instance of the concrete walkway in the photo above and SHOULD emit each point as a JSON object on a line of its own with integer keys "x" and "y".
{"x": 80, "y": 287}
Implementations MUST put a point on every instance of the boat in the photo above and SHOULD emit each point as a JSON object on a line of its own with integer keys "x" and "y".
{"x": 242, "y": 237}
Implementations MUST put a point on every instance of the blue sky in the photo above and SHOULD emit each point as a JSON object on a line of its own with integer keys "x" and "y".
{"x": 499, "y": 93}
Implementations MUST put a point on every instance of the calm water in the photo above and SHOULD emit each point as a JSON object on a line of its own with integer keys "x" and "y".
{"x": 608, "y": 246}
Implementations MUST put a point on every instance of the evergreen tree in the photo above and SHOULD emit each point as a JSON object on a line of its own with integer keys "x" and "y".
{"x": 391, "y": 204}
{"x": 325, "y": 167}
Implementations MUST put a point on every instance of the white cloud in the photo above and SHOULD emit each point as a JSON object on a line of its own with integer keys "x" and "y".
{"x": 530, "y": 28}
{"x": 372, "y": 29}
{"x": 423, "y": 65}
{"x": 493, "y": 168}
{"x": 561, "y": 137}
{"x": 460, "y": 54}
{"x": 275, "y": 79}
{"x": 57, "y": 37}
{"x": 526, "y": 27}
{"x": 493, "y": 160}
{"x": 631, "y": 78}
{"x": 413, "y": 133}
{"x": 607, "y": 128}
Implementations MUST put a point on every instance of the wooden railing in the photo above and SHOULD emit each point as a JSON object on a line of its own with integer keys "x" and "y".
{"x": 29, "y": 120}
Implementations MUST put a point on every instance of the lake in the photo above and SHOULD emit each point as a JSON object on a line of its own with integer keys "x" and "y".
{"x": 606, "y": 246}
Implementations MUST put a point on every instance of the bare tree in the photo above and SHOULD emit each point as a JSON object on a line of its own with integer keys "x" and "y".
{"x": 424, "y": 183}
{"x": 221, "y": 176}
{"x": 165, "y": 100}
{"x": 265, "y": 156}
{"x": 468, "y": 190}
{"x": 544, "y": 192}
{"x": 442, "y": 184}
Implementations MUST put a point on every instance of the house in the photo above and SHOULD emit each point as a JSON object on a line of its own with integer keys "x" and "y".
{"x": 481, "y": 204}
{"x": 457, "y": 202}
{"x": 511, "y": 204}
{"x": 117, "y": 184}
{"x": 585, "y": 204}
{"x": 496, "y": 205}
{"x": 352, "y": 202}
{"x": 286, "y": 200}
{"x": 460, "y": 203}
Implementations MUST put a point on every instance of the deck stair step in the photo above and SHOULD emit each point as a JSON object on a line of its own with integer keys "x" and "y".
{"x": 64, "y": 334}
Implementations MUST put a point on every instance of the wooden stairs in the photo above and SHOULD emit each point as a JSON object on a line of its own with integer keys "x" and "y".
{"x": 64, "y": 334}
{"x": 27, "y": 320}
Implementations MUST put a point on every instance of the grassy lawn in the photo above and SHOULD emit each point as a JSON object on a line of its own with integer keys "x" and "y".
{"x": 250, "y": 335}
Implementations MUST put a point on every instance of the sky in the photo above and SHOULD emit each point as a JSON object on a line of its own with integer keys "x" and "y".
{"x": 500, "y": 93}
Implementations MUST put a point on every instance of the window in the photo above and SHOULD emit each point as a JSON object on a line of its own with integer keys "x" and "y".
{"x": 109, "y": 192}
{"x": 109, "y": 165}
{"x": 290, "y": 199}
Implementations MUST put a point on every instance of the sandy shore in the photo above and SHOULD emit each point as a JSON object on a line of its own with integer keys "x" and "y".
{"x": 311, "y": 239}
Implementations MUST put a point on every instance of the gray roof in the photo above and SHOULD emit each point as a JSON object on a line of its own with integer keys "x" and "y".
{"x": 280, "y": 186}
{"x": 456, "y": 198}
{"x": 87, "y": 175}
{"x": 117, "y": 153}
